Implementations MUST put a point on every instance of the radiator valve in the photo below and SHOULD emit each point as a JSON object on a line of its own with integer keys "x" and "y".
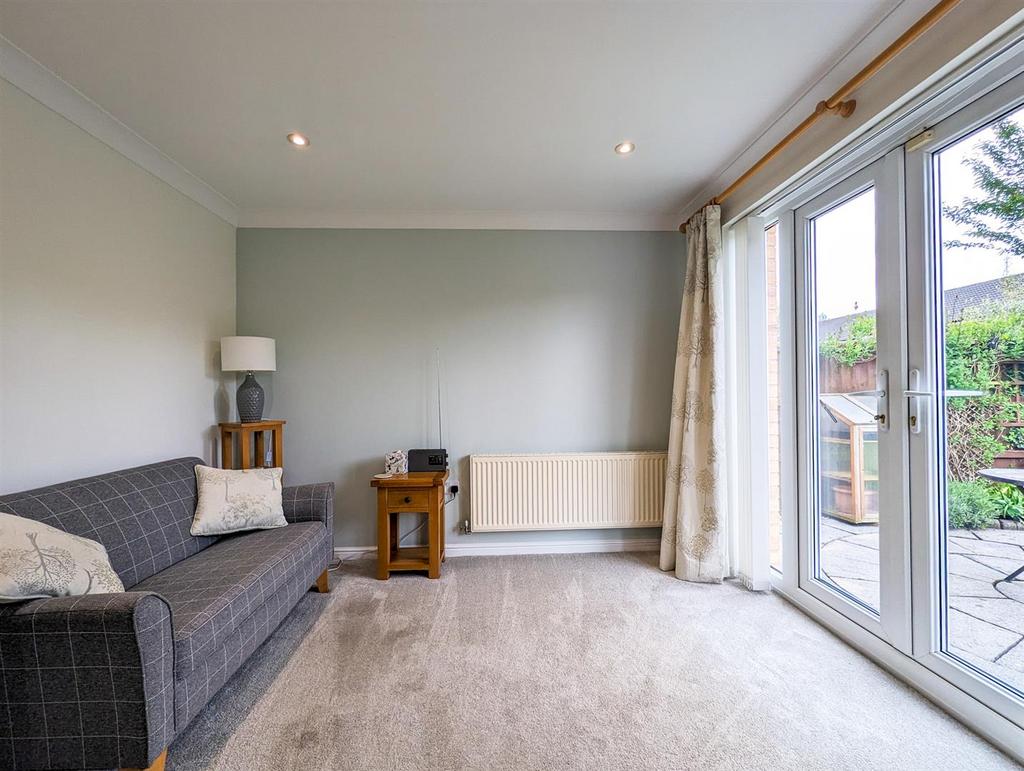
{"x": 464, "y": 527}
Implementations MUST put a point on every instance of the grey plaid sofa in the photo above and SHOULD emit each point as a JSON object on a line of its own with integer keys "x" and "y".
{"x": 108, "y": 680}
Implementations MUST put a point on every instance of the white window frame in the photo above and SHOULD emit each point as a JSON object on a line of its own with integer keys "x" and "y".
{"x": 750, "y": 423}
{"x": 746, "y": 240}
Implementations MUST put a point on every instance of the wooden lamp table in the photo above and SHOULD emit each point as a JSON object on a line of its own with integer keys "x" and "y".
{"x": 251, "y": 446}
{"x": 413, "y": 493}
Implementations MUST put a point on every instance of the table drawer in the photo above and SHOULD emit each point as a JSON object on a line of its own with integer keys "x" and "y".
{"x": 412, "y": 500}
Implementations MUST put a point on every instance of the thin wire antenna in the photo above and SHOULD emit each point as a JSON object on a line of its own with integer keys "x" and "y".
{"x": 440, "y": 436}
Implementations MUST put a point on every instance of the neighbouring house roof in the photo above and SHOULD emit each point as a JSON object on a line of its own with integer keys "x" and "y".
{"x": 955, "y": 300}
{"x": 994, "y": 291}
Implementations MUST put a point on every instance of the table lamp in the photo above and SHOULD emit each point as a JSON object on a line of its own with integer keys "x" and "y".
{"x": 248, "y": 355}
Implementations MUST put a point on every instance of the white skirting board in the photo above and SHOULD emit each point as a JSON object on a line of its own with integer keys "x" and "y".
{"x": 526, "y": 547}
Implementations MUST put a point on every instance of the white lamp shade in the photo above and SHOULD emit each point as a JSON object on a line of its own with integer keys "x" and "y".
{"x": 244, "y": 354}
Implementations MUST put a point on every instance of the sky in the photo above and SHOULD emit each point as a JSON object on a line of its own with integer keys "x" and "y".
{"x": 845, "y": 240}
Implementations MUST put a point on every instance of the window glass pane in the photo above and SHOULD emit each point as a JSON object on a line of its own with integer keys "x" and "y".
{"x": 846, "y": 539}
{"x": 980, "y": 185}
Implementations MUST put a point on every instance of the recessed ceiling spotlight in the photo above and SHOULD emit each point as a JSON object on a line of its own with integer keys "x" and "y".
{"x": 299, "y": 140}
{"x": 625, "y": 148}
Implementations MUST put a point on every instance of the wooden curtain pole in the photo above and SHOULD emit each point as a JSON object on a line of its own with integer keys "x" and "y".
{"x": 838, "y": 104}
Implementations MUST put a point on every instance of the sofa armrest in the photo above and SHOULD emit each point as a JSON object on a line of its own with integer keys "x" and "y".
{"x": 310, "y": 503}
{"x": 88, "y": 682}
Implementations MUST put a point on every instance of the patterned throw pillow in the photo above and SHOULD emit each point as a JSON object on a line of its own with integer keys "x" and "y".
{"x": 231, "y": 501}
{"x": 37, "y": 560}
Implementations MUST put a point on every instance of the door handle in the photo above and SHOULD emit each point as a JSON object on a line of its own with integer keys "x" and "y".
{"x": 881, "y": 394}
{"x": 954, "y": 393}
{"x": 915, "y": 394}
{"x": 878, "y": 393}
{"x": 882, "y": 385}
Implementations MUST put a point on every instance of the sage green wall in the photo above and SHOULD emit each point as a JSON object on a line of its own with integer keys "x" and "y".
{"x": 114, "y": 292}
{"x": 550, "y": 341}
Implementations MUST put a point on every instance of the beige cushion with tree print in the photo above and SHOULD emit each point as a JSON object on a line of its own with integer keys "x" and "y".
{"x": 232, "y": 501}
{"x": 37, "y": 560}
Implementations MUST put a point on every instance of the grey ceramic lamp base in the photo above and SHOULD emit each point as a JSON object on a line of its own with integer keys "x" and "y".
{"x": 250, "y": 400}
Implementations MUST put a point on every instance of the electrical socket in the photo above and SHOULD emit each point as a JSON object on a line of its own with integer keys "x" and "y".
{"x": 453, "y": 489}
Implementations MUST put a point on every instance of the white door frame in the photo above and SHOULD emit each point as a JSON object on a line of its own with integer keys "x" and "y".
{"x": 788, "y": 388}
{"x": 926, "y": 447}
{"x": 940, "y": 679}
{"x": 892, "y": 621}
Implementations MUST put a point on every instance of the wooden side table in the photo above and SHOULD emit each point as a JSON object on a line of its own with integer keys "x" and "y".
{"x": 250, "y": 438}
{"x": 417, "y": 493}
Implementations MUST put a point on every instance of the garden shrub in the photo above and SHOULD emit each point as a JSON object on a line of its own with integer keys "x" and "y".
{"x": 1008, "y": 502}
{"x": 1014, "y": 437}
{"x": 969, "y": 505}
{"x": 856, "y": 342}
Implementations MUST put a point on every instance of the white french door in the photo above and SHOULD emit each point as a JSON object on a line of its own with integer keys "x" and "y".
{"x": 966, "y": 351}
{"x": 908, "y": 281}
{"x": 853, "y": 532}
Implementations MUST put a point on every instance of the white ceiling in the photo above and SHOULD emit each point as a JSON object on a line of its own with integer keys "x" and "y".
{"x": 433, "y": 110}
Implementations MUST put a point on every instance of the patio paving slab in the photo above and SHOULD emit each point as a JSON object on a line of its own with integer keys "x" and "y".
{"x": 1012, "y": 589}
{"x": 1003, "y": 565}
{"x": 864, "y": 540}
{"x": 1013, "y": 659}
{"x": 848, "y": 551}
{"x": 838, "y": 566}
{"x": 849, "y": 527}
{"x": 981, "y": 638}
{"x": 1005, "y": 613}
{"x": 1004, "y": 536}
{"x": 970, "y": 567}
{"x": 958, "y": 586}
{"x": 865, "y": 591}
{"x": 961, "y": 545}
{"x": 986, "y": 612}
{"x": 827, "y": 533}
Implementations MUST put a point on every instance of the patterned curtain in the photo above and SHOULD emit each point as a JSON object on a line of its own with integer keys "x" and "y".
{"x": 693, "y": 539}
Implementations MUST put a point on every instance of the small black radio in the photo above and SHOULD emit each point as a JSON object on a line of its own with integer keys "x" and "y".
{"x": 428, "y": 460}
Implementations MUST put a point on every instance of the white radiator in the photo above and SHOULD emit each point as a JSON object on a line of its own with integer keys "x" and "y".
{"x": 566, "y": 492}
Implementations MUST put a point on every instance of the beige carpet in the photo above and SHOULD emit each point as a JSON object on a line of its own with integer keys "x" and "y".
{"x": 568, "y": 662}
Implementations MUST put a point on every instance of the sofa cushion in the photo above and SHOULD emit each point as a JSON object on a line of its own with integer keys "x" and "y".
{"x": 37, "y": 560}
{"x": 212, "y": 592}
{"x": 141, "y": 515}
{"x": 237, "y": 500}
